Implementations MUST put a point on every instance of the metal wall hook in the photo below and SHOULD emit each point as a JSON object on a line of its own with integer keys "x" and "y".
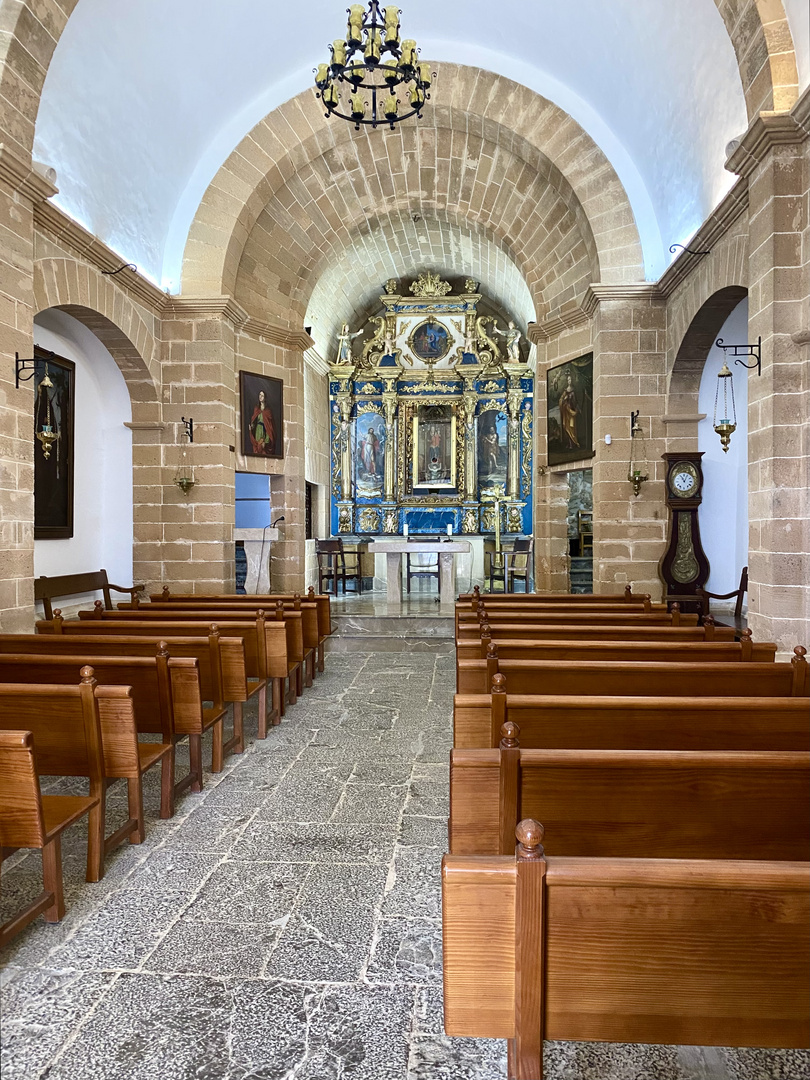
{"x": 744, "y": 350}
{"x": 124, "y": 266}
{"x": 189, "y": 427}
{"x": 29, "y": 365}
{"x": 674, "y": 247}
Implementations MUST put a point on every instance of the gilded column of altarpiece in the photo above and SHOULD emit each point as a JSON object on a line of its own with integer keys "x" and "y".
{"x": 431, "y": 419}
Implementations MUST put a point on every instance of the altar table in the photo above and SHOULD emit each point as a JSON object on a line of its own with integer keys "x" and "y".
{"x": 446, "y": 550}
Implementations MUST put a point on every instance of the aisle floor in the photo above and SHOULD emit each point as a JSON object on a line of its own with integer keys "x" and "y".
{"x": 286, "y": 924}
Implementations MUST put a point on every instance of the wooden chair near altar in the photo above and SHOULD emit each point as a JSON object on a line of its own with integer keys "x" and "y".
{"x": 515, "y": 566}
{"x": 334, "y": 567}
{"x": 423, "y": 565}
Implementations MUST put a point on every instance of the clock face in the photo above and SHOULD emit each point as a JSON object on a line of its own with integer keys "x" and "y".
{"x": 683, "y": 479}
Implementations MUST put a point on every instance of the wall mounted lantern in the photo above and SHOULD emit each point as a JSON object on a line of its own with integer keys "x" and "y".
{"x": 48, "y": 433}
{"x": 639, "y": 470}
{"x": 184, "y": 477}
{"x": 727, "y": 424}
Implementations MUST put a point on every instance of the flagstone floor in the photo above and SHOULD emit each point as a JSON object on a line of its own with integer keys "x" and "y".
{"x": 285, "y": 925}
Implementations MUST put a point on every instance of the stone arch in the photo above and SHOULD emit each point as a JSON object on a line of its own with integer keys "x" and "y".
{"x": 485, "y": 105}
{"x": 107, "y": 311}
{"x": 29, "y": 34}
{"x": 763, "y": 45}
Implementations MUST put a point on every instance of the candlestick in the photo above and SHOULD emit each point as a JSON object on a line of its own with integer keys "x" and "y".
{"x": 449, "y": 530}
{"x": 405, "y": 530}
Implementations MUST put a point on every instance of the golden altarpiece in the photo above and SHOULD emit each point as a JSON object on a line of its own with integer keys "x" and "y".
{"x": 431, "y": 419}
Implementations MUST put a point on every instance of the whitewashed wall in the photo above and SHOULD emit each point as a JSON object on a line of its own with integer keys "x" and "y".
{"x": 102, "y": 486}
{"x": 724, "y": 511}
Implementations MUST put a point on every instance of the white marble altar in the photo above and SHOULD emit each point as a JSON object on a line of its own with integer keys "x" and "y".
{"x": 257, "y": 549}
{"x": 447, "y": 550}
{"x": 469, "y": 563}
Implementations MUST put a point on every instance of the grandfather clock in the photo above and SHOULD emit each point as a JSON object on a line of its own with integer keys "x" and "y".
{"x": 684, "y": 568}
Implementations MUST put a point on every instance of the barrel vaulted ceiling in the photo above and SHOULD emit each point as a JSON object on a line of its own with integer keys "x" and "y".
{"x": 145, "y": 100}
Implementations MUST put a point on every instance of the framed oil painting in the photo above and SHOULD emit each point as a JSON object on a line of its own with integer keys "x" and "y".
{"x": 54, "y": 404}
{"x": 434, "y": 446}
{"x": 430, "y": 341}
{"x": 371, "y": 439}
{"x": 570, "y": 411}
{"x": 262, "y": 414}
{"x": 493, "y": 451}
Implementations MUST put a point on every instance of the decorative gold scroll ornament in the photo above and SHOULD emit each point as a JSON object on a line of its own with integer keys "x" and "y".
{"x": 430, "y": 284}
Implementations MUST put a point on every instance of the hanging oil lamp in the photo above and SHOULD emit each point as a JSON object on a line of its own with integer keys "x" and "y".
{"x": 638, "y": 471}
{"x": 727, "y": 424}
{"x": 46, "y": 435}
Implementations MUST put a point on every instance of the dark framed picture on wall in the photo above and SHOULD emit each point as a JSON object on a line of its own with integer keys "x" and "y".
{"x": 54, "y": 404}
{"x": 262, "y": 415}
{"x": 569, "y": 405}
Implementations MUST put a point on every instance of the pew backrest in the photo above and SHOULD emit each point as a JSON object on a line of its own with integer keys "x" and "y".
{"x": 657, "y": 804}
{"x": 571, "y": 722}
{"x": 541, "y": 631}
{"x": 648, "y": 679}
{"x": 614, "y": 930}
{"x": 628, "y": 651}
{"x": 265, "y": 600}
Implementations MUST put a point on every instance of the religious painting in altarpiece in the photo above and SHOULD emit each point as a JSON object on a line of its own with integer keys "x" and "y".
{"x": 434, "y": 447}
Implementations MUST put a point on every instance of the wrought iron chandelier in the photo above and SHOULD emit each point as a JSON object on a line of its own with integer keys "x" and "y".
{"x": 371, "y": 69}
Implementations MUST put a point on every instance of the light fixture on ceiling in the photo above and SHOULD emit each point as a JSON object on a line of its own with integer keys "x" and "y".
{"x": 727, "y": 424}
{"x": 368, "y": 71}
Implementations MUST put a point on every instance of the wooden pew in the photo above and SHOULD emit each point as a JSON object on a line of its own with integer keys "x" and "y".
{"x": 147, "y": 709}
{"x": 743, "y": 651}
{"x": 293, "y": 657}
{"x": 221, "y": 661}
{"x": 265, "y": 645}
{"x": 632, "y": 723}
{"x": 281, "y": 610}
{"x": 628, "y": 597}
{"x": 693, "y": 951}
{"x": 47, "y": 589}
{"x": 564, "y": 617}
{"x": 321, "y": 601}
{"x": 65, "y": 724}
{"x": 542, "y": 631}
{"x": 733, "y": 804}
{"x": 29, "y": 819}
{"x": 649, "y": 679}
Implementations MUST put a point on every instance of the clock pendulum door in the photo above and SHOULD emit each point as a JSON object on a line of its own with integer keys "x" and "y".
{"x": 684, "y": 568}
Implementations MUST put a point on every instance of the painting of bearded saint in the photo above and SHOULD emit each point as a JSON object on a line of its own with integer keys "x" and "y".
{"x": 370, "y": 445}
{"x": 570, "y": 411}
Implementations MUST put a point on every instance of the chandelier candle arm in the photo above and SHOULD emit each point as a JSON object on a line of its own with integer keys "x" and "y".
{"x": 367, "y": 71}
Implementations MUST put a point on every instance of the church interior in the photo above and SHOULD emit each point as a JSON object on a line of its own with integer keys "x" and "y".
{"x": 404, "y": 488}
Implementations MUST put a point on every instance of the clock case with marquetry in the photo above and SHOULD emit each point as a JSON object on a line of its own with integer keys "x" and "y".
{"x": 684, "y": 567}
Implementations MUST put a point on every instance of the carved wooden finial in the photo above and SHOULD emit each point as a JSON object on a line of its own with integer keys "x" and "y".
{"x": 163, "y": 648}
{"x": 486, "y": 631}
{"x": 492, "y": 650}
{"x": 510, "y": 735}
{"x": 136, "y": 600}
{"x": 166, "y": 592}
{"x": 214, "y": 631}
{"x": 279, "y": 610}
{"x": 746, "y": 635}
{"x": 530, "y": 835}
{"x": 296, "y": 601}
{"x": 499, "y": 684}
{"x": 87, "y": 674}
{"x": 98, "y": 607}
{"x": 799, "y": 654}
{"x": 477, "y": 592}
{"x": 628, "y": 591}
{"x": 57, "y": 614}
{"x": 311, "y": 592}
{"x": 709, "y": 620}
{"x": 675, "y": 606}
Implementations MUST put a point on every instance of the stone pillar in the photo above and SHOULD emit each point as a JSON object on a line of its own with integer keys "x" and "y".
{"x": 775, "y": 156}
{"x": 629, "y": 375}
{"x": 20, "y": 189}
{"x": 277, "y": 350}
{"x": 200, "y": 382}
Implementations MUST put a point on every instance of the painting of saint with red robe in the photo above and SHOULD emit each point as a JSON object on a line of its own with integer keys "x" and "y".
{"x": 262, "y": 405}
